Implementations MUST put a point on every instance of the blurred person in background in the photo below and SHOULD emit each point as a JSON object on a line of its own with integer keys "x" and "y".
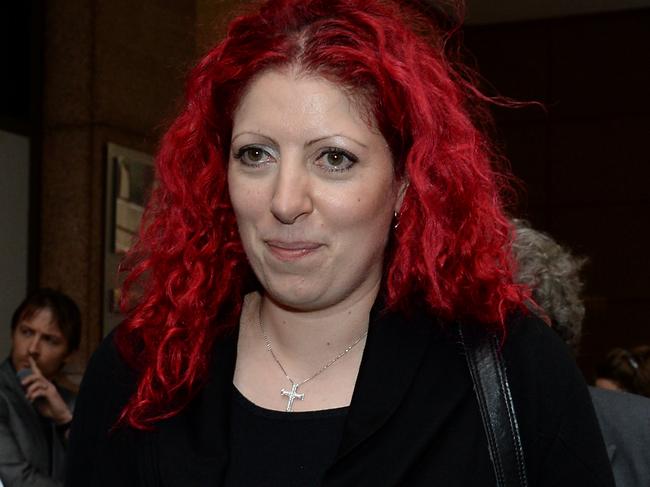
{"x": 35, "y": 413}
{"x": 553, "y": 275}
{"x": 626, "y": 370}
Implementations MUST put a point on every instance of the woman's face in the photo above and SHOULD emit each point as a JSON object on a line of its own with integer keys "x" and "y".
{"x": 313, "y": 190}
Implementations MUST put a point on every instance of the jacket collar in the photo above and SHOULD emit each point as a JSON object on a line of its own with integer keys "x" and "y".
{"x": 393, "y": 354}
{"x": 194, "y": 446}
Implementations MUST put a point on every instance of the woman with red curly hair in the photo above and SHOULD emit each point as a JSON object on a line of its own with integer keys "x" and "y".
{"x": 326, "y": 213}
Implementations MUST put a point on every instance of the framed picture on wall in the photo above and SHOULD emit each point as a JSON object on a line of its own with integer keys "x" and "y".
{"x": 129, "y": 181}
{"x": 133, "y": 176}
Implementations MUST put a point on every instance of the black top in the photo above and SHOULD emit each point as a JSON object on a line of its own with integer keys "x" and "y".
{"x": 413, "y": 419}
{"x": 271, "y": 448}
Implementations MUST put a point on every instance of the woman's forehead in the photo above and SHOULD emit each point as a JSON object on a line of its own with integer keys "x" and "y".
{"x": 301, "y": 106}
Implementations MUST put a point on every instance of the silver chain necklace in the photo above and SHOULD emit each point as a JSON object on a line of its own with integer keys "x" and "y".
{"x": 293, "y": 394}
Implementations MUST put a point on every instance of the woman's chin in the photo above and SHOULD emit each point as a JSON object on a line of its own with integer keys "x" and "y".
{"x": 296, "y": 300}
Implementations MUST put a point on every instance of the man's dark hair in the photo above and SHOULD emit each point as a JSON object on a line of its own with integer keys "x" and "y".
{"x": 65, "y": 313}
{"x": 630, "y": 369}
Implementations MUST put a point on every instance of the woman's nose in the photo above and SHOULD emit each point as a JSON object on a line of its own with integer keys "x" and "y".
{"x": 292, "y": 193}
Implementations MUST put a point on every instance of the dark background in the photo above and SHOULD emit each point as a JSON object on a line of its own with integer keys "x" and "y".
{"x": 584, "y": 159}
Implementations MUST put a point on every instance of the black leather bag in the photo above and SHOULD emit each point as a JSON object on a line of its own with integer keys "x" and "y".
{"x": 492, "y": 390}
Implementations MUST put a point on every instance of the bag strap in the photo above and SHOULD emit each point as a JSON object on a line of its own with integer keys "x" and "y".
{"x": 492, "y": 390}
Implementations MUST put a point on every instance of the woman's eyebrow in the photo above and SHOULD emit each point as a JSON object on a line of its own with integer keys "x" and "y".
{"x": 256, "y": 134}
{"x": 319, "y": 139}
{"x": 307, "y": 144}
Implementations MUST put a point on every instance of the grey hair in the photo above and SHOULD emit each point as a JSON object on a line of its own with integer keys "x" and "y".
{"x": 553, "y": 275}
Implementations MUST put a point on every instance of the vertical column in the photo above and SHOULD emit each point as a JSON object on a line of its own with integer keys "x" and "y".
{"x": 113, "y": 72}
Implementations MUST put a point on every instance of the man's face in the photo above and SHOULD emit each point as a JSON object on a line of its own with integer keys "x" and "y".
{"x": 39, "y": 336}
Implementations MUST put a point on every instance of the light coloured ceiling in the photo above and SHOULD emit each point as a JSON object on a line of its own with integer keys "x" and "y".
{"x": 493, "y": 11}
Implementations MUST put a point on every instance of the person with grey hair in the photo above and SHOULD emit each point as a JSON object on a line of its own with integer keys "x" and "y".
{"x": 553, "y": 274}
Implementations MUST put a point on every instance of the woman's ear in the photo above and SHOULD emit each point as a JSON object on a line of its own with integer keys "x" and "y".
{"x": 401, "y": 191}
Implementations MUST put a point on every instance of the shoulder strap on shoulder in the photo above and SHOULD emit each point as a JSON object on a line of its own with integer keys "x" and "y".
{"x": 492, "y": 390}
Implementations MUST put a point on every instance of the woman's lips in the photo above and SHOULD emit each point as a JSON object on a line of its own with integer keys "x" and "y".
{"x": 290, "y": 251}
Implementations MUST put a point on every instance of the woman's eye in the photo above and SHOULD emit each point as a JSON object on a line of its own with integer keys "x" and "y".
{"x": 253, "y": 156}
{"x": 336, "y": 160}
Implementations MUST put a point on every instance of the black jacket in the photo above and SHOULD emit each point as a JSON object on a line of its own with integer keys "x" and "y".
{"x": 413, "y": 419}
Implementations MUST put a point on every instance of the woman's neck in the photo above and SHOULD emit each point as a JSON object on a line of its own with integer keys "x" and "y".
{"x": 307, "y": 339}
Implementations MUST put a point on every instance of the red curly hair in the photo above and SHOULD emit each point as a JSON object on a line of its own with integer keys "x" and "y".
{"x": 187, "y": 274}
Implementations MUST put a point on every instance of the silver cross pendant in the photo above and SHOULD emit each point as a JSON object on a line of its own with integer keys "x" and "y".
{"x": 292, "y": 394}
